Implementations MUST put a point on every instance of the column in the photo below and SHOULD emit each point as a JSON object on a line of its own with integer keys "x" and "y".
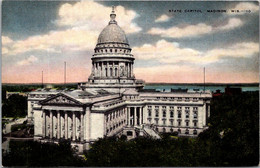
{"x": 93, "y": 68}
{"x": 128, "y": 116}
{"x": 81, "y": 127}
{"x": 140, "y": 115}
{"x": 108, "y": 70}
{"x": 102, "y": 69}
{"x": 128, "y": 69}
{"x": 51, "y": 124}
{"x": 43, "y": 123}
{"x": 131, "y": 70}
{"x": 87, "y": 115}
{"x": 73, "y": 126}
{"x": 58, "y": 122}
{"x": 113, "y": 68}
{"x": 66, "y": 125}
{"x": 135, "y": 118}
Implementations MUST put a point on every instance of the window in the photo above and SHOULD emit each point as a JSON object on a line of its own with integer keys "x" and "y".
{"x": 187, "y": 123}
{"x": 149, "y": 112}
{"x": 149, "y": 107}
{"x": 186, "y": 131}
{"x": 179, "y": 130}
{"x": 187, "y": 114}
{"x": 179, "y": 99}
{"x": 164, "y": 122}
{"x": 179, "y": 123}
{"x": 179, "y": 114}
{"x": 187, "y": 99}
{"x": 195, "y": 114}
{"x": 171, "y": 122}
{"x": 179, "y": 108}
{"x": 164, "y": 130}
{"x": 110, "y": 50}
{"x": 195, "y": 108}
{"x": 171, "y": 114}
{"x": 156, "y": 121}
{"x": 164, "y": 113}
{"x": 156, "y": 113}
{"x": 111, "y": 72}
{"x": 129, "y": 133}
{"x": 195, "y": 123}
{"x": 195, "y": 132}
{"x": 115, "y": 71}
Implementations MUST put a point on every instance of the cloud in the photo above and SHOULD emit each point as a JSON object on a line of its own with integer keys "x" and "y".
{"x": 246, "y": 49}
{"x": 82, "y": 21}
{"x": 167, "y": 52}
{"x": 28, "y": 61}
{"x": 162, "y": 18}
{"x": 6, "y": 43}
{"x": 232, "y": 23}
{"x": 244, "y": 6}
{"x": 94, "y": 16}
{"x": 194, "y": 30}
{"x": 55, "y": 41}
{"x": 6, "y": 40}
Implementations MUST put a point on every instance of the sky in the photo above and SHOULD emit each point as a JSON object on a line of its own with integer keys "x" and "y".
{"x": 171, "y": 41}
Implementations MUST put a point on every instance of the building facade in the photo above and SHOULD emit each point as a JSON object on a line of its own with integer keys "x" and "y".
{"x": 113, "y": 102}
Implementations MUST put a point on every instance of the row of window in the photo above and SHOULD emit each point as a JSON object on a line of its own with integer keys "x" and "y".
{"x": 187, "y": 131}
{"x": 108, "y": 63}
{"x": 115, "y": 114}
{"x": 187, "y": 114}
{"x": 179, "y": 123}
{"x": 187, "y": 99}
{"x": 111, "y": 51}
{"x": 113, "y": 45}
{"x": 172, "y": 107}
{"x": 39, "y": 95}
{"x": 115, "y": 126}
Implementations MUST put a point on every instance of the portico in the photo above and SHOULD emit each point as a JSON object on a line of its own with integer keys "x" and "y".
{"x": 59, "y": 124}
{"x": 134, "y": 115}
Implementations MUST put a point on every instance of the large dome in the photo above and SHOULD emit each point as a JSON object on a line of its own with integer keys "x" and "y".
{"x": 112, "y": 33}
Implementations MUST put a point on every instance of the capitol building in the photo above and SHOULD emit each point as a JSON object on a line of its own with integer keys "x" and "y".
{"x": 113, "y": 102}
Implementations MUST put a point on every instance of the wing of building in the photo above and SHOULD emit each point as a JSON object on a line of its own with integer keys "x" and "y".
{"x": 113, "y": 102}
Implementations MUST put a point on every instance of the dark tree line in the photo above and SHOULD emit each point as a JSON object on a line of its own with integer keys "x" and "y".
{"x": 32, "y": 154}
{"x": 231, "y": 140}
{"x": 14, "y": 106}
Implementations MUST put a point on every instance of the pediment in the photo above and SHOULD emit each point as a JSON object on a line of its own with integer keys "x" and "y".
{"x": 60, "y": 99}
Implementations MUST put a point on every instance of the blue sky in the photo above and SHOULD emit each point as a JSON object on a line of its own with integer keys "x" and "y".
{"x": 168, "y": 46}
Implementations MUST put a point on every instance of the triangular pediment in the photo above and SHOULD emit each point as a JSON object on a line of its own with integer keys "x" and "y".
{"x": 60, "y": 99}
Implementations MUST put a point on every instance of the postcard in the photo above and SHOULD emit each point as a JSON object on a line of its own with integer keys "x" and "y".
{"x": 130, "y": 83}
